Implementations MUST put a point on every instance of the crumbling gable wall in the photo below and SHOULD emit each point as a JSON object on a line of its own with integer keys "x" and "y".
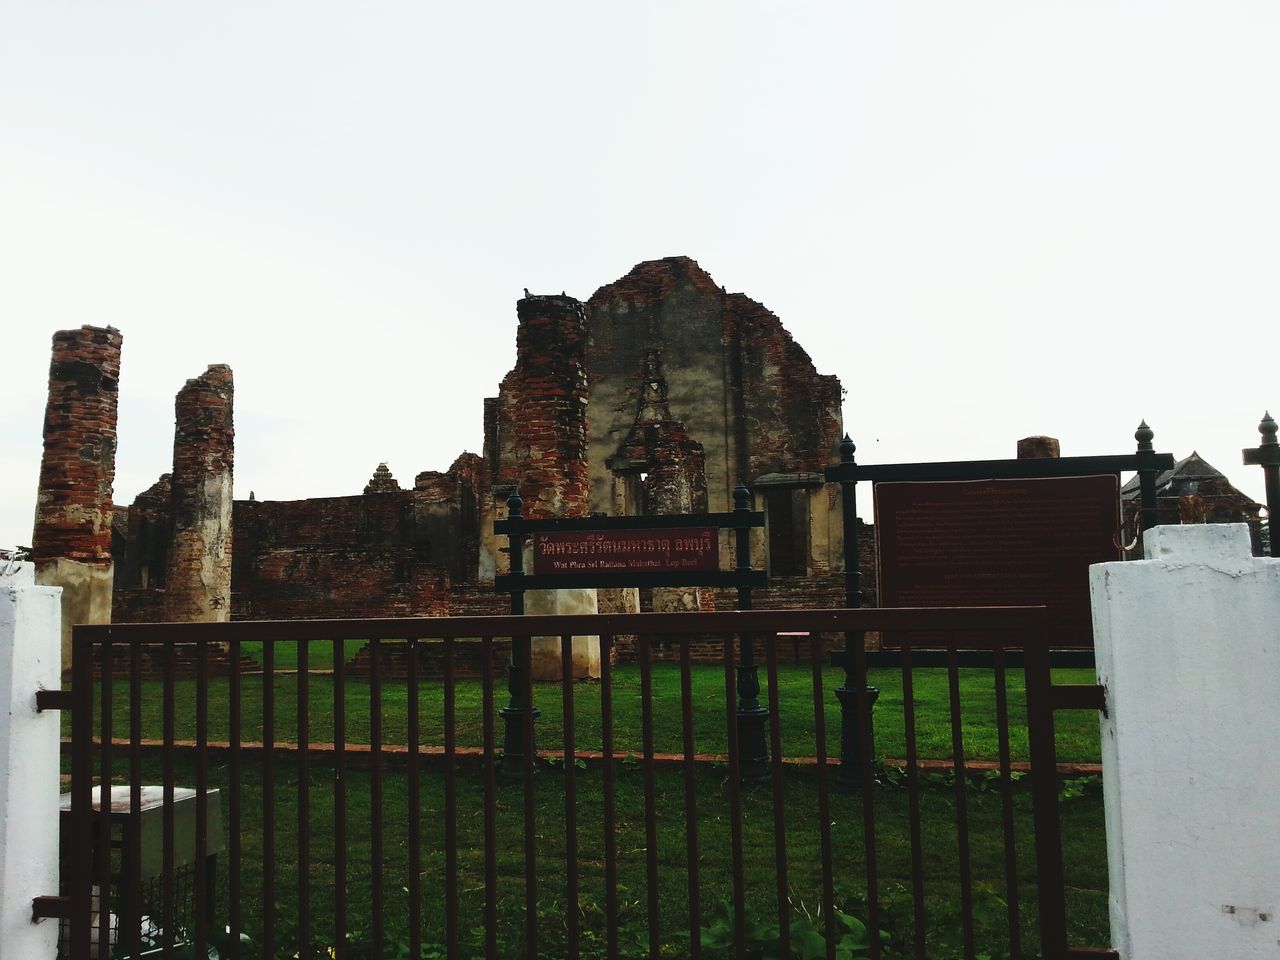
{"x": 736, "y": 382}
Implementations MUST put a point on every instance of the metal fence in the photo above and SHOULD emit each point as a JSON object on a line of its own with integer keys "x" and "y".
{"x": 309, "y": 868}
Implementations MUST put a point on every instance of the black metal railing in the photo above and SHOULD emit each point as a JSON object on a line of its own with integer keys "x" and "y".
{"x": 328, "y": 845}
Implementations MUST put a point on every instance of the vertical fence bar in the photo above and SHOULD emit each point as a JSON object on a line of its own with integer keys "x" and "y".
{"x": 913, "y": 801}
{"x": 169, "y": 906}
{"x": 570, "y": 798}
{"x": 824, "y": 800}
{"x": 610, "y": 798}
{"x": 104, "y": 802}
{"x": 415, "y": 805}
{"x": 201, "y": 879}
{"x": 650, "y": 798}
{"x": 81, "y": 792}
{"x": 864, "y": 697}
{"x": 450, "y": 802}
{"x": 132, "y": 918}
{"x": 691, "y": 799}
{"x": 236, "y": 921}
{"x": 340, "y": 801}
{"x": 268, "y": 797}
{"x": 1006, "y": 808}
{"x": 1045, "y": 811}
{"x": 735, "y": 804}
{"x": 304, "y": 800}
{"x": 530, "y": 808}
{"x": 375, "y": 796}
{"x": 779, "y": 802}
{"x": 490, "y": 805}
{"x": 961, "y": 792}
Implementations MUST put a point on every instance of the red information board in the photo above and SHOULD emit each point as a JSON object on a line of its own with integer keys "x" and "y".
{"x": 998, "y": 543}
{"x": 686, "y": 550}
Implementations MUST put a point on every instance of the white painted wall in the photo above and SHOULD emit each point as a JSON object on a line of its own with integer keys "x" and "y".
{"x": 30, "y": 659}
{"x": 1188, "y": 647}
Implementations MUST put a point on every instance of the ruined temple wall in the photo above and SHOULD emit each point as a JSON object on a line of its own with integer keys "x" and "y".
{"x": 198, "y": 574}
{"x": 674, "y": 307}
{"x": 736, "y": 380}
{"x": 392, "y": 553}
{"x": 71, "y": 541}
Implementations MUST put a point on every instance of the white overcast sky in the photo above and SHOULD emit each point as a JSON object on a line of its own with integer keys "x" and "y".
{"x": 989, "y": 219}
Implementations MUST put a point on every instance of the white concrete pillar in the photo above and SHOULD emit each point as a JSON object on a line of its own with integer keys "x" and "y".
{"x": 1188, "y": 648}
{"x": 30, "y": 660}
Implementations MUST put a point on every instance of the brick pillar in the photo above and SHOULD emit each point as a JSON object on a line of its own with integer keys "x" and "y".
{"x": 546, "y": 411}
{"x": 198, "y": 578}
{"x": 549, "y": 408}
{"x": 71, "y": 542}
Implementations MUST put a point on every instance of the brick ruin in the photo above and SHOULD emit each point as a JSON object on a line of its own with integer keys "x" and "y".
{"x": 656, "y": 395}
{"x": 71, "y": 542}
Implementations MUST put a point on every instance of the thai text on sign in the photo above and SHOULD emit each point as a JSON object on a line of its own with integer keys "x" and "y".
{"x": 626, "y": 551}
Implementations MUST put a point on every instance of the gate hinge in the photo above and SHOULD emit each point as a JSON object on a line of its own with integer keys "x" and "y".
{"x": 53, "y": 700}
{"x": 50, "y": 908}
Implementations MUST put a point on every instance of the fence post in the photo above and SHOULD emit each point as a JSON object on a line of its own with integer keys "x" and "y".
{"x": 1187, "y": 647}
{"x": 30, "y": 660}
{"x": 1267, "y": 456}
{"x": 753, "y": 750}
{"x": 513, "y": 714}
{"x": 849, "y": 772}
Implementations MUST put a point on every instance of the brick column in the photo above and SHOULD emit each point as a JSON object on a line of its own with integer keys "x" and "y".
{"x": 71, "y": 542}
{"x": 198, "y": 578}
{"x": 545, "y": 411}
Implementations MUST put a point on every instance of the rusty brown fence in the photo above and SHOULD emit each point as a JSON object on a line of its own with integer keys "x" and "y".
{"x": 286, "y": 845}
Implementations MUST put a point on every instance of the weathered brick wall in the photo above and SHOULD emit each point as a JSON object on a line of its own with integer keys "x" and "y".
{"x": 73, "y": 508}
{"x": 540, "y": 417}
{"x": 388, "y": 553}
{"x": 792, "y": 411}
{"x": 198, "y": 578}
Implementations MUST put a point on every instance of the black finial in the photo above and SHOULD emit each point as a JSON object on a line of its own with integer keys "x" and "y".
{"x": 514, "y": 503}
{"x": 1144, "y": 435}
{"x": 741, "y": 497}
{"x": 1268, "y": 428}
{"x": 847, "y": 448}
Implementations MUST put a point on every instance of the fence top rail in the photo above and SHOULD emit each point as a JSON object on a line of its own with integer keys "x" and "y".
{"x": 1029, "y": 622}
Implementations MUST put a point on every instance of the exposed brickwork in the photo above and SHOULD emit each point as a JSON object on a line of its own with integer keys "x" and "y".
{"x": 73, "y": 508}
{"x": 793, "y": 412}
{"x": 198, "y": 577}
{"x": 382, "y": 481}
{"x": 540, "y": 439}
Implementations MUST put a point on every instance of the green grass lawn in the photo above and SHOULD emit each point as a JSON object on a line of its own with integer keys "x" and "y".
{"x": 1077, "y": 731}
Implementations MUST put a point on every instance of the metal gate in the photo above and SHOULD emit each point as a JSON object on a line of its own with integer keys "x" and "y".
{"x": 372, "y": 815}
